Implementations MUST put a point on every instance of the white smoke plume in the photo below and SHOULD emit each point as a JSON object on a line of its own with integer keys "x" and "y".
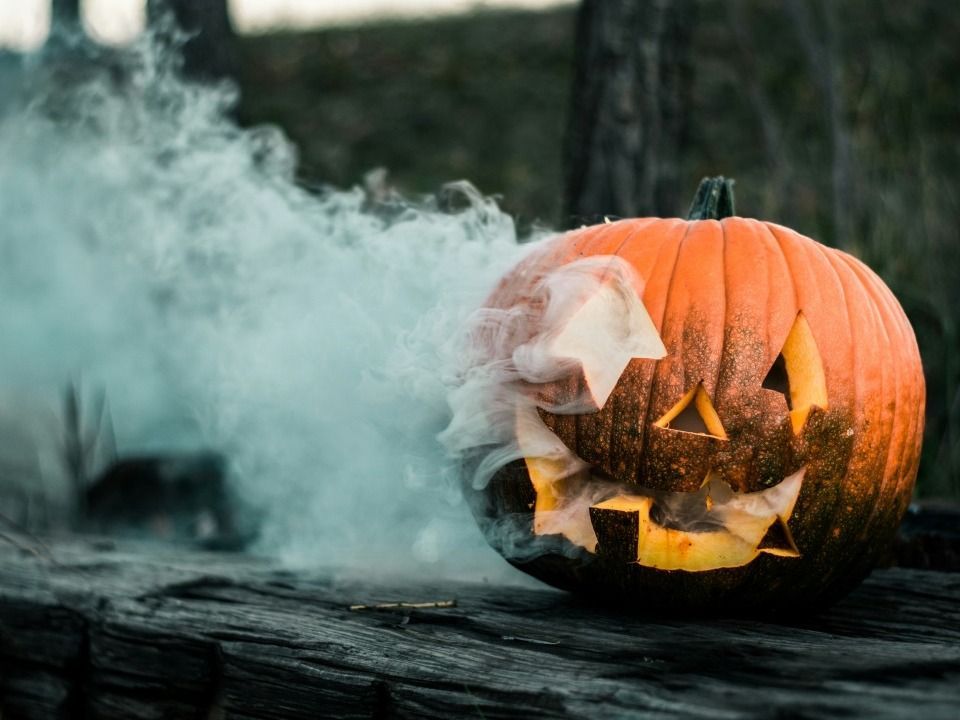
{"x": 560, "y": 345}
{"x": 150, "y": 247}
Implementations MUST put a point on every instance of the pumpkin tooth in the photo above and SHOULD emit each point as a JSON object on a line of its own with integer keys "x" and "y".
{"x": 779, "y": 540}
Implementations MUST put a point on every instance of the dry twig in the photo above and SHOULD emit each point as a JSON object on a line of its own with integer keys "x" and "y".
{"x": 434, "y": 605}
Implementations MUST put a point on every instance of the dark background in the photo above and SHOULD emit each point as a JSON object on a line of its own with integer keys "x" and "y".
{"x": 487, "y": 96}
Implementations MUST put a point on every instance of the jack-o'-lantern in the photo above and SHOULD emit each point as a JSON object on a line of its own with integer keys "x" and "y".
{"x": 712, "y": 414}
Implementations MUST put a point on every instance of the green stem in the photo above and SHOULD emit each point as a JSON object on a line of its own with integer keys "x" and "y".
{"x": 714, "y": 199}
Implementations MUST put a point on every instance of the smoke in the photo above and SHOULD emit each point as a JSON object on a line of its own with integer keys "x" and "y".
{"x": 558, "y": 340}
{"x": 150, "y": 247}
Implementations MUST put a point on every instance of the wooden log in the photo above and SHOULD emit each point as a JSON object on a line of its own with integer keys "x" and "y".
{"x": 129, "y": 631}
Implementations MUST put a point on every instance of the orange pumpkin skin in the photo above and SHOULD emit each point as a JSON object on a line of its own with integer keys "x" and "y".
{"x": 724, "y": 295}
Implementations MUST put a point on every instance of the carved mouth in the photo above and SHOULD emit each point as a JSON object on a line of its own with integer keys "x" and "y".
{"x": 712, "y": 528}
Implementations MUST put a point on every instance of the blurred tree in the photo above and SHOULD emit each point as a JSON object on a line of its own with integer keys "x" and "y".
{"x": 65, "y": 13}
{"x": 747, "y": 64}
{"x": 627, "y": 121}
{"x": 821, "y": 46}
{"x": 65, "y": 26}
{"x": 66, "y": 35}
{"x": 208, "y": 53}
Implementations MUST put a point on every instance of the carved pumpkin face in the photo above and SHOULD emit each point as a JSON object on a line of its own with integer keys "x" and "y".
{"x": 733, "y": 420}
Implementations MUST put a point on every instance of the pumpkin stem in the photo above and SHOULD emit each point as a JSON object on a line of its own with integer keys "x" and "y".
{"x": 714, "y": 199}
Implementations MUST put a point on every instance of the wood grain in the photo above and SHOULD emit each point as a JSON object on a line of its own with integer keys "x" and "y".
{"x": 127, "y": 631}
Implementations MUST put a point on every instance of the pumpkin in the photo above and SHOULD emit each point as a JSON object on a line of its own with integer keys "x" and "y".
{"x": 720, "y": 415}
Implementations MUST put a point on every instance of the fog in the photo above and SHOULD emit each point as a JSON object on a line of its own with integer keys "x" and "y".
{"x": 152, "y": 249}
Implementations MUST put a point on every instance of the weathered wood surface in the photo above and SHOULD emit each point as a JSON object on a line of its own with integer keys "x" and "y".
{"x": 117, "y": 632}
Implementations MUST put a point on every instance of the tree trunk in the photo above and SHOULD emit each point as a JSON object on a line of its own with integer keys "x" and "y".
{"x": 65, "y": 13}
{"x": 822, "y": 48}
{"x": 208, "y": 53}
{"x": 747, "y": 64}
{"x": 627, "y": 121}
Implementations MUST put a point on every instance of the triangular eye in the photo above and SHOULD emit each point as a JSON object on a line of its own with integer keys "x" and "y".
{"x": 689, "y": 420}
{"x": 798, "y": 375}
{"x": 694, "y": 413}
{"x": 778, "y": 380}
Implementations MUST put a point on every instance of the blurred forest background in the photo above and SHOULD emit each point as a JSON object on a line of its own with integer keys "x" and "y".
{"x": 780, "y": 94}
{"x": 839, "y": 119}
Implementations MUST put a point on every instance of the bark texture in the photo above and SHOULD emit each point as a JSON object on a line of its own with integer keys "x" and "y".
{"x": 628, "y": 112}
